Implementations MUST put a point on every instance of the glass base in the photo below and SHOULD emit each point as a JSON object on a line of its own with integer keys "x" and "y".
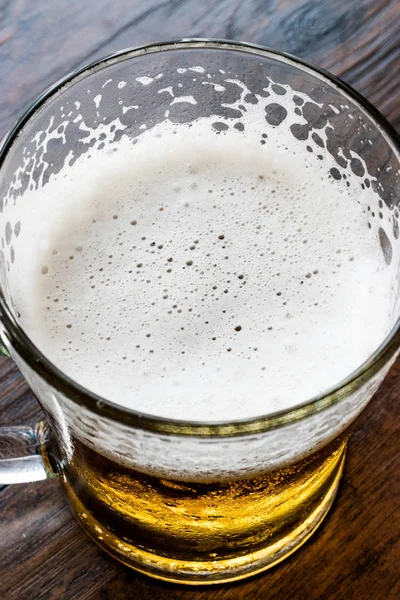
{"x": 206, "y": 572}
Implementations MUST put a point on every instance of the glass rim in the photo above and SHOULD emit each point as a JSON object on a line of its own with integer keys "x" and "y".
{"x": 15, "y": 337}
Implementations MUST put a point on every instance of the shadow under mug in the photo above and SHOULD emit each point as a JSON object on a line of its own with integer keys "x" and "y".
{"x": 186, "y": 501}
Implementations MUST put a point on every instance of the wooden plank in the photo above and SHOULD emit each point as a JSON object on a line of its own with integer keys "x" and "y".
{"x": 356, "y": 42}
{"x": 355, "y": 554}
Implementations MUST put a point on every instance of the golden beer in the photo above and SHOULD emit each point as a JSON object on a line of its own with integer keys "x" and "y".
{"x": 200, "y": 532}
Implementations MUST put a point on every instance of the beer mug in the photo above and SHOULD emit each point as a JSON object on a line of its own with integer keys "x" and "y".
{"x": 186, "y": 498}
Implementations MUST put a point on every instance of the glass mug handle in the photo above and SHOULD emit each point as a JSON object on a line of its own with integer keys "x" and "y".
{"x": 23, "y": 456}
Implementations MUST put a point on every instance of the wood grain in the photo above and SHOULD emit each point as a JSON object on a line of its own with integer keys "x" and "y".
{"x": 355, "y": 554}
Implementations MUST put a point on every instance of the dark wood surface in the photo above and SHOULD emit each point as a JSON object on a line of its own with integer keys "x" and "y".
{"x": 356, "y": 553}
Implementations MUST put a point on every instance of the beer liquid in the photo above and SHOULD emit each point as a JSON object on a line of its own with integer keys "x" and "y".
{"x": 204, "y": 275}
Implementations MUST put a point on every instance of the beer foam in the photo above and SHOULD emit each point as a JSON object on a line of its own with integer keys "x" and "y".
{"x": 204, "y": 273}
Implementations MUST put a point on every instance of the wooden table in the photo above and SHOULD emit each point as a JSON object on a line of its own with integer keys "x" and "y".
{"x": 356, "y": 553}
